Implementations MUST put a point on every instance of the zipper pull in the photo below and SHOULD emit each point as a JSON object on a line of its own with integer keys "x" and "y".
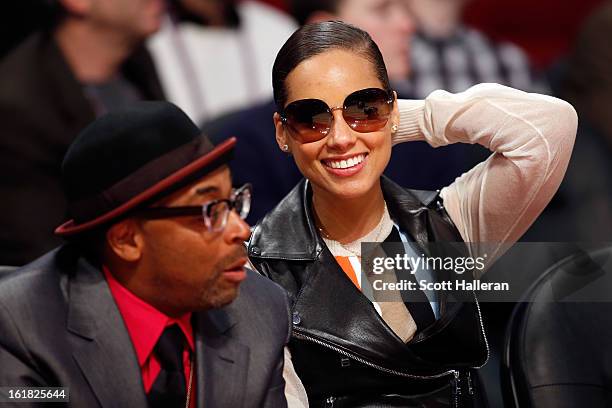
{"x": 329, "y": 402}
{"x": 469, "y": 383}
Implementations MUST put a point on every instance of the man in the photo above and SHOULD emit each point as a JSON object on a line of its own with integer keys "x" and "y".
{"x": 57, "y": 81}
{"x": 134, "y": 310}
{"x": 215, "y": 56}
{"x": 387, "y": 21}
{"x": 446, "y": 54}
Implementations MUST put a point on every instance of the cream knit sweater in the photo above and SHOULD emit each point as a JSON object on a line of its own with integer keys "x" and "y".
{"x": 531, "y": 137}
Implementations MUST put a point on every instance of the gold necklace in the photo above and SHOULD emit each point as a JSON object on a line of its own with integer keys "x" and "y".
{"x": 356, "y": 253}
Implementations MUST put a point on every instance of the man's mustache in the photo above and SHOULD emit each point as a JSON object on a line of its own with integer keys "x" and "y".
{"x": 232, "y": 258}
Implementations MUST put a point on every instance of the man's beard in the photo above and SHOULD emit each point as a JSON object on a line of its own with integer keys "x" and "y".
{"x": 214, "y": 296}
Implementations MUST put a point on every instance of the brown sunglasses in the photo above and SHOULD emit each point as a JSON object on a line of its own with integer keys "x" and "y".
{"x": 366, "y": 110}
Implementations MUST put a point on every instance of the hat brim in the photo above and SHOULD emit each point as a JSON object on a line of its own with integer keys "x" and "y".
{"x": 222, "y": 149}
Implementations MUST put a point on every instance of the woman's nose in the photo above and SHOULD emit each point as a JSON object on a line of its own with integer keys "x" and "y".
{"x": 341, "y": 136}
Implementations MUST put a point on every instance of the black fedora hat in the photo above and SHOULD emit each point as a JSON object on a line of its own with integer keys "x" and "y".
{"x": 130, "y": 157}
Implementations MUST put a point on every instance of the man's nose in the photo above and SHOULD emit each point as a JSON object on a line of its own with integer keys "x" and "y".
{"x": 237, "y": 230}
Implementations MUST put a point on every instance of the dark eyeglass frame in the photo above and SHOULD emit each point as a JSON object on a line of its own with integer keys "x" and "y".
{"x": 205, "y": 210}
{"x": 313, "y": 135}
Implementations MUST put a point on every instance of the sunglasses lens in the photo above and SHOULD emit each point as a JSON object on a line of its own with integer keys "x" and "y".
{"x": 309, "y": 118}
{"x": 367, "y": 110}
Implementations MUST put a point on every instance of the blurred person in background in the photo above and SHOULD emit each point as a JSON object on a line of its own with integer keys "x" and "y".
{"x": 448, "y": 55}
{"x": 273, "y": 173}
{"x": 215, "y": 56}
{"x": 544, "y": 29}
{"x": 88, "y": 61}
{"x": 582, "y": 209}
{"x": 387, "y": 21}
{"x": 18, "y": 20}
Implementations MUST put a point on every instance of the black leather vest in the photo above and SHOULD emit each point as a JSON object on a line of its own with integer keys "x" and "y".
{"x": 343, "y": 351}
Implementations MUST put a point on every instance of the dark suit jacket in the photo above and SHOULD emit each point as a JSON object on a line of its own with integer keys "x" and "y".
{"x": 59, "y": 326}
{"x": 42, "y": 109}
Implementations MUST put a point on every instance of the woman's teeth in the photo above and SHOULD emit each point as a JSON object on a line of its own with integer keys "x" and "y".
{"x": 345, "y": 164}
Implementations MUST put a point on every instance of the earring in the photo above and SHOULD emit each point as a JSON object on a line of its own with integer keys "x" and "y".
{"x": 394, "y": 128}
{"x": 285, "y": 148}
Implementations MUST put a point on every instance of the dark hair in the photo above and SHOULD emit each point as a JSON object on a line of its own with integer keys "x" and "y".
{"x": 301, "y": 10}
{"x": 314, "y": 39}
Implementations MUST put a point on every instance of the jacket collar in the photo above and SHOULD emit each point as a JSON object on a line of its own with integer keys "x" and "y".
{"x": 104, "y": 352}
{"x": 102, "y": 348}
{"x": 290, "y": 231}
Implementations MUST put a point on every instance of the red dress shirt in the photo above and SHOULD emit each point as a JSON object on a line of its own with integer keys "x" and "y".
{"x": 145, "y": 325}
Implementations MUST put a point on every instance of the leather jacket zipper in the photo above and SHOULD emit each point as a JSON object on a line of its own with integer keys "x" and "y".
{"x": 458, "y": 391}
{"x": 482, "y": 330}
{"x": 300, "y": 335}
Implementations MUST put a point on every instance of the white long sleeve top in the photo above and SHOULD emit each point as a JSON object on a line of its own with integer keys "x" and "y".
{"x": 531, "y": 137}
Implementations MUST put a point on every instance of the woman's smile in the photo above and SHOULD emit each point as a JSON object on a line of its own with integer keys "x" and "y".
{"x": 345, "y": 166}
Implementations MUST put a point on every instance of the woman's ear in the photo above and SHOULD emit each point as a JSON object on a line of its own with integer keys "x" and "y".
{"x": 395, "y": 116}
{"x": 281, "y": 137}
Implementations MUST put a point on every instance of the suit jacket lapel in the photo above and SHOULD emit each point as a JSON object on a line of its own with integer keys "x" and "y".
{"x": 102, "y": 346}
{"x": 222, "y": 361}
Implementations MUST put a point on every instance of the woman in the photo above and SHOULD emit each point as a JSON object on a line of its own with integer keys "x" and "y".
{"x": 339, "y": 119}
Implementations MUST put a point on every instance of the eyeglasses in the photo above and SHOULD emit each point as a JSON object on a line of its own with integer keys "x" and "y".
{"x": 215, "y": 212}
{"x": 366, "y": 110}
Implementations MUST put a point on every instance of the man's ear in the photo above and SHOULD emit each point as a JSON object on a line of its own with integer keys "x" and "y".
{"x": 76, "y": 7}
{"x": 281, "y": 137}
{"x": 125, "y": 240}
